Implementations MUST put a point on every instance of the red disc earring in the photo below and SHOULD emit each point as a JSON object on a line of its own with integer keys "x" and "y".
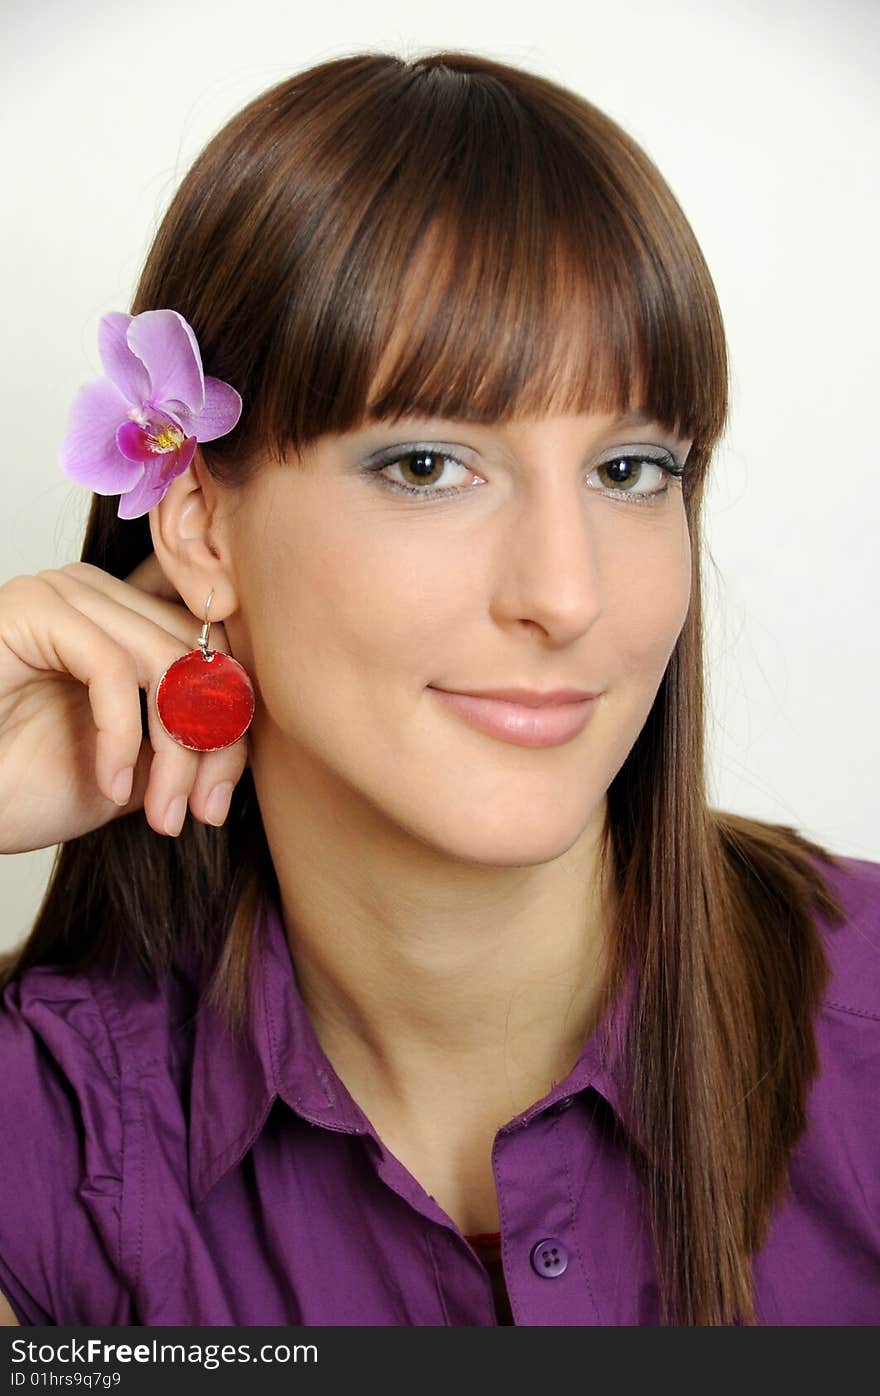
{"x": 205, "y": 699}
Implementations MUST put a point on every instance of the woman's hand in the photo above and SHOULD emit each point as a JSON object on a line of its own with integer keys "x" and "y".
{"x": 76, "y": 645}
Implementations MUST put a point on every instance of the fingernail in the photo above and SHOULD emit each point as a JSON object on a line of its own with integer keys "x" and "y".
{"x": 121, "y": 786}
{"x": 175, "y": 814}
{"x": 218, "y": 802}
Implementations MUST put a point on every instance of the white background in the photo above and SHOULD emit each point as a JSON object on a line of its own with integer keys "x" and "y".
{"x": 765, "y": 119}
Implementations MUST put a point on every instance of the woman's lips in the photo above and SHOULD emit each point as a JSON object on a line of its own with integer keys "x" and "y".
{"x": 513, "y": 722}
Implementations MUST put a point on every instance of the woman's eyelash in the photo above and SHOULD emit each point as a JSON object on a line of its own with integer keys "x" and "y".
{"x": 666, "y": 463}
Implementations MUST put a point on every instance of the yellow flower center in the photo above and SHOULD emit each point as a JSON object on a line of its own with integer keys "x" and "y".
{"x": 167, "y": 440}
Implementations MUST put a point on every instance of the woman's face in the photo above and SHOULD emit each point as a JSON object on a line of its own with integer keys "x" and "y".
{"x": 534, "y": 555}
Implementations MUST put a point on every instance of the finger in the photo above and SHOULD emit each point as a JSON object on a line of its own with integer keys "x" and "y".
{"x": 175, "y": 768}
{"x": 172, "y": 616}
{"x": 64, "y": 640}
{"x": 177, "y": 618}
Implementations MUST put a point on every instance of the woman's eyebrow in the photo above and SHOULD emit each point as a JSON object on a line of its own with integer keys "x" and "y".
{"x": 414, "y": 422}
{"x": 641, "y": 416}
{"x": 634, "y": 418}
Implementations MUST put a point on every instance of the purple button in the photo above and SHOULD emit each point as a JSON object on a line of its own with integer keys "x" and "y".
{"x": 549, "y": 1257}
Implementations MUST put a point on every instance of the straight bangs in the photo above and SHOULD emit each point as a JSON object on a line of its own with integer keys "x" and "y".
{"x": 445, "y": 245}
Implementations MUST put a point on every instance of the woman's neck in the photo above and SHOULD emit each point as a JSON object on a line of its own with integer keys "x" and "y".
{"x": 438, "y": 989}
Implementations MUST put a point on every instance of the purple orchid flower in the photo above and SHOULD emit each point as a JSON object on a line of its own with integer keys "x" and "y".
{"x": 134, "y": 431}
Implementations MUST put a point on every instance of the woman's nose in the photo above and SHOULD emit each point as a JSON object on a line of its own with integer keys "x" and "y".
{"x": 550, "y": 570}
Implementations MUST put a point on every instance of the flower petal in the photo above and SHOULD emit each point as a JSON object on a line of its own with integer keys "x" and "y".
{"x": 121, "y": 366}
{"x": 219, "y": 415}
{"x": 89, "y": 453}
{"x": 185, "y": 452}
{"x": 168, "y": 347}
{"x": 156, "y": 481}
{"x": 134, "y": 442}
{"x": 140, "y": 500}
{"x": 180, "y": 416}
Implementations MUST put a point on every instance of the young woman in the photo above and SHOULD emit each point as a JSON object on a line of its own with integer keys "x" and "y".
{"x": 471, "y": 1010}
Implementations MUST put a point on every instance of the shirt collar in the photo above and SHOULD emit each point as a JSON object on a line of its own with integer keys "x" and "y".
{"x": 235, "y": 1081}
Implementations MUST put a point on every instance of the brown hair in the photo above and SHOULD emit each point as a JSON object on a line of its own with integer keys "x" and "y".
{"x": 561, "y": 274}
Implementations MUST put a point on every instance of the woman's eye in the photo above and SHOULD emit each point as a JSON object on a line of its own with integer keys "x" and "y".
{"x": 421, "y": 469}
{"x": 631, "y": 477}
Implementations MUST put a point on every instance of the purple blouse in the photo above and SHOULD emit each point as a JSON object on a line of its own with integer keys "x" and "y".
{"x": 152, "y": 1172}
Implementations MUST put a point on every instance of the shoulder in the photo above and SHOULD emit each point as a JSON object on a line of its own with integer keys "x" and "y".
{"x": 844, "y": 1109}
{"x": 75, "y": 1049}
{"x": 853, "y": 948}
{"x": 822, "y": 1255}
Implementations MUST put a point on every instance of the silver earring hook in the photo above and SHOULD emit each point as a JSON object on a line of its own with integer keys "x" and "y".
{"x": 207, "y": 654}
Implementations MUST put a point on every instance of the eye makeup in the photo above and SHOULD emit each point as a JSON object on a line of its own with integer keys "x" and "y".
{"x": 427, "y": 456}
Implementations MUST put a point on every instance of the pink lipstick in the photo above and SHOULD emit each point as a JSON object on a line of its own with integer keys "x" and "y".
{"x": 543, "y": 720}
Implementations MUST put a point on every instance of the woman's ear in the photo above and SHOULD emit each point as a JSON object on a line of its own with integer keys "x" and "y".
{"x": 187, "y": 539}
